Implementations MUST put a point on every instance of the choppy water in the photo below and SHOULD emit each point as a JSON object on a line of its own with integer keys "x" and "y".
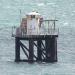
{"x": 63, "y": 10}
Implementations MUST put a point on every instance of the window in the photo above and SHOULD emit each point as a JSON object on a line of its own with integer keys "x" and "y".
{"x": 32, "y": 16}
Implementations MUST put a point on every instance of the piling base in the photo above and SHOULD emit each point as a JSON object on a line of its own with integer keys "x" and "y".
{"x": 46, "y": 48}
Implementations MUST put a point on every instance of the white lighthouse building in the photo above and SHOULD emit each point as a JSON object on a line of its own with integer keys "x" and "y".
{"x": 33, "y": 23}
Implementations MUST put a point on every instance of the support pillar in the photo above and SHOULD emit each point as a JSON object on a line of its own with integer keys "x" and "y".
{"x": 17, "y": 49}
{"x": 51, "y": 49}
{"x": 48, "y": 49}
{"x": 31, "y": 51}
{"x": 54, "y": 49}
{"x": 39, "y": 51}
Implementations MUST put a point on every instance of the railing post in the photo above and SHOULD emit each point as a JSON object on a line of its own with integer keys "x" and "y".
{"x": 54, "y": 25}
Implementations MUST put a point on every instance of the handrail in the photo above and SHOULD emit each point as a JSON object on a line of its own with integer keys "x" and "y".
{"x": 45, "y": 32}
{"x": 50, "y": 20}
{"x": 47, "y": 28}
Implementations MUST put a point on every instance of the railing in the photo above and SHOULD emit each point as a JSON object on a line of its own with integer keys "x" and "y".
{"x": 47, "y": 28}
{"x": 17, "y": 31}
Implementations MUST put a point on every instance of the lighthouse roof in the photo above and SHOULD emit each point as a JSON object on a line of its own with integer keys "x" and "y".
{"x": 33, "y": 13}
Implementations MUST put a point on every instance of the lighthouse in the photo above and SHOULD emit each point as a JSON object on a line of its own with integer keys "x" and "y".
{"x": 46, "y": 44}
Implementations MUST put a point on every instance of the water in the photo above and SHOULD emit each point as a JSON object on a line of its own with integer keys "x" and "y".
{"x": 62, "y": 10}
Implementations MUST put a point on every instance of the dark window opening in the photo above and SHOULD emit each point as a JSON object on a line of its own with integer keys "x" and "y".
{"x": 32, "y": 16}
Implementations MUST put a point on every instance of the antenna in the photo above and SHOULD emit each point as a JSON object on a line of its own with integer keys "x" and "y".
{"x": 20, "y": 15}
{"x": 55, "y": 11}
{"x": 55, "y": 16}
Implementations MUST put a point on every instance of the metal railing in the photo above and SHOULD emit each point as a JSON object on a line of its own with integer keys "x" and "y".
{"x": 47, "y": 28}
{"x": 17, "y": 31}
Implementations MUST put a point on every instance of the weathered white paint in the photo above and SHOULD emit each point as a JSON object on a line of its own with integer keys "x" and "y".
{"x": 33, "y": 24}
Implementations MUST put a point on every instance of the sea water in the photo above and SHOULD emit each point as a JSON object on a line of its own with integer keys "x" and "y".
{"x": 63, "y": 11}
